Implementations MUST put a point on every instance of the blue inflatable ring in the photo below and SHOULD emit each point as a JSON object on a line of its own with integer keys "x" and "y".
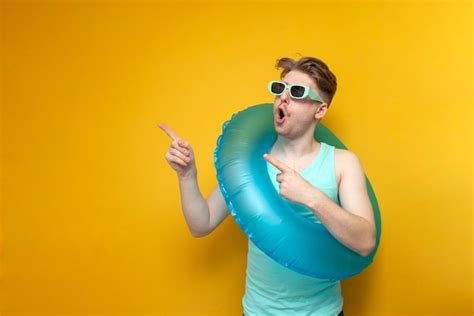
{"x": 292, "y": 240}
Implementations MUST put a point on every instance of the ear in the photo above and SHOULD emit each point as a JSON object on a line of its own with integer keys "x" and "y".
{"x": 321, "y": 111}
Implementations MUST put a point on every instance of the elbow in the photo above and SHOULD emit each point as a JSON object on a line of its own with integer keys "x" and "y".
{"x": 199, "y": 230}
{"x": 370, "y": 241}
{"x": 198, "y": 234}
{"x": 366, "y": 252}
{"x": 368, "y": 247}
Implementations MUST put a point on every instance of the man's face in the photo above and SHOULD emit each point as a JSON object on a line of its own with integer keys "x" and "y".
{"x": 293, "y": 117}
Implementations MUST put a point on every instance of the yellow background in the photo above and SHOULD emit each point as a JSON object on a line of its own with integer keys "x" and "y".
{"x": 91, "y": 217}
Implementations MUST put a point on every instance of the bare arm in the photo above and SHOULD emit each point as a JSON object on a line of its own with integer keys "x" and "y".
{"x": 352, "y": 224}
{"x": 202, "y": 216}
{"x": 217, "y": 208}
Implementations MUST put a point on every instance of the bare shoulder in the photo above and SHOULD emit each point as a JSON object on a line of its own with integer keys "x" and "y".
{"x": 352, "y": 187}
{"x": 345, "y": 160}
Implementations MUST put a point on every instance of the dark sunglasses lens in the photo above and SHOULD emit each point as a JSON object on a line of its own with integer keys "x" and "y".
{"x": 297, "y": 91}
{"x": 278, "y": 87}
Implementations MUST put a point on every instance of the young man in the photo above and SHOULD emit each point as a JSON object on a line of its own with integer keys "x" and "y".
{"x": 339, "y": 201}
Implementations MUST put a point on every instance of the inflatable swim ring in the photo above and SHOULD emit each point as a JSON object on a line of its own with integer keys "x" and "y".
{"x": 292, "y": 240}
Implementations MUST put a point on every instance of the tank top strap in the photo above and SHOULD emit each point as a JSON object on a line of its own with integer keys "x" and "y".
{"x": 324, "y": 150}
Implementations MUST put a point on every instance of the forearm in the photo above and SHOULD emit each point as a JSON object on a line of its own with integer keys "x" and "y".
{"x": 354, "y": 231}
{"x": 194, "y": 206}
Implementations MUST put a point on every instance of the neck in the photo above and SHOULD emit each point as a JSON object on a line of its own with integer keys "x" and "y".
{"x": 296, "y": 148}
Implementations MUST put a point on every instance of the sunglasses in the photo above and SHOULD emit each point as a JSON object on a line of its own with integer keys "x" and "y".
{"x": 297, "y": 91}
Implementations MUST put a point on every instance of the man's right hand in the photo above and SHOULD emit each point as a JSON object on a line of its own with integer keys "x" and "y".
{"x": 180, "y": 155}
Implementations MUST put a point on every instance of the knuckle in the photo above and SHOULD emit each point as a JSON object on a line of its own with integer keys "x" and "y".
{"x": 177, "y": 160}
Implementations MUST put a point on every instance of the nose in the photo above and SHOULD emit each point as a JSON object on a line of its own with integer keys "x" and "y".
{"x": 284, "y": 95}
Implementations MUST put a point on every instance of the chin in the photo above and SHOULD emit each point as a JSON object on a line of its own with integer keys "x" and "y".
{"x": 281, "y": 131}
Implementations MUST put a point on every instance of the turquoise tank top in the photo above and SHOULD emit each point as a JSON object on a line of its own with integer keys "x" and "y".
{"x": 272, "y": 289}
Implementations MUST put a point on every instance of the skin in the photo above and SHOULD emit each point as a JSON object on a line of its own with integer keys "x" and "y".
{"x": 352, "y": 223}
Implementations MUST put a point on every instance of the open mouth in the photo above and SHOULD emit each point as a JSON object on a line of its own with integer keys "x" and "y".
{"x": 280, "y": 116}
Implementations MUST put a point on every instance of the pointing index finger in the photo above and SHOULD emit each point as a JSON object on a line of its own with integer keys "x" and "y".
{"x": 168, "y": 131}
{"x": 277, "y": 163}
